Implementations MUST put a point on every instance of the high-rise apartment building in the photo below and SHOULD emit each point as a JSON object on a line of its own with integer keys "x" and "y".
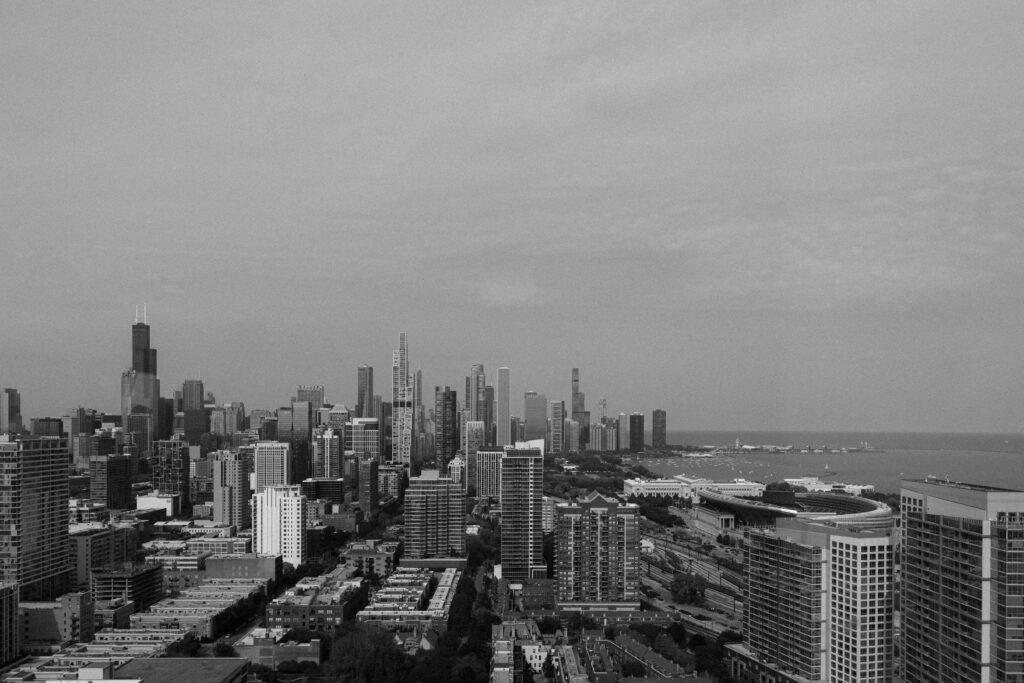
{"x": 231, "y": 489}
{"x": 110, "y": 481}
{"x": 402, "y": 408}
{"x": 10, "y": 411}
{"x": 193, "y": 408}
{"x": 962, "y": 582}
{"x": 273, "y": 464}
{"x": 597, "y": 554}
{"x": 488, "y": 473}
{"x": 364, "y": 398}
{"x": 10, "y": 623}
{"x": 503, "y": 414}
{"x": 327, "y": 453}
{"x": 535, "y": 412}
{"x": 558, "y": 420}
{"x": 522, "y": 490}
{"x": 819, "y": 603}
{"x": 658, "y": 429}
{"x": 636, "y": 432}
{"x": 623, "y": 432}
{"x": 435, "y": 514}
{"x": 476, "y": 393}
{"x": 369, "y": 485}
{"x": 446, "y": 425}
{"x": 279, "y": 523}
{"x": 34, "y": 512}
{"x": 171, "y": 471}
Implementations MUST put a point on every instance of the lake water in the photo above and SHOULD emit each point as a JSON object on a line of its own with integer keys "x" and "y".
{"x": 990, "y": 459}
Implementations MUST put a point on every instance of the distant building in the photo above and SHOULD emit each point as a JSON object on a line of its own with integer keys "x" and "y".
{"x": 488, "y": 473}
{"x": 171, "y": 471}
{"x": 364, "y": 401}
{"x": 435, "y": 514}
{"x": 636, "y": 432}
{"x": 597, "y": 554}
{"x": 503, "y": 415}
{"x": 446, "y": 425}
{"x": 535, "y": 412}
{"x": 369, "y": 485}
{"x": 279, "y": 523}
{"x": 231, "y": 489}
{"x": 273, "y": 464}
{"x": 110, "y": 481}
{"x": 141, "y": 583}
{"x": 10, "y": 412}
{"x": 327, "y": 450}
{"x": 658, "y": 424}
{"x": 522, "y": 490}
{"x": 558, "y": 419}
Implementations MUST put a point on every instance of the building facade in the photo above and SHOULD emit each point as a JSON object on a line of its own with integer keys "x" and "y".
{"x": 522, "y": 491}
{"x": 273, "y": 464}
{"x": 658, "y": 429}
{"x": 503, "y": 415}
{"x": 435, "y": 517}
{"x": 231, "y": 489}
{"x": 597, "y": 554}
{"x": 34, "y": 492}
{"x": 279, "y": 518}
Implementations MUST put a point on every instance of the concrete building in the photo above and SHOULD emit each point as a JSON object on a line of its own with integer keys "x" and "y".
{"x": 535, "y": 412}
{"x": 327, "y": 451}
{"x": 279, "y": 523}
{"x": 373, "y": 556}
{"x": 488, "y": 473}
{"x": 171, "y": 467}
{"x": 819, "y": 604}
{"x": 405, "y": 602}
{"x": 435, "y": 517}
{"x": 961, "y": 582}
{"x": 98, "y": 546}
{"x": 558, "y": 420}
{"x": 141, "y": 583}
{"x": 597, "y": 554}
{"x": 34, "y": 509}
{"x": 231, "y": 489}
{"x": 319, "y": 603}
{"x": 522, "y": 490}
{"x": 52, "y": 625}
{"x": 402, "y": 408}
{"x": 273, "y": 464}
{"x": 268, "y": 647}
{"x": 446, "y": 425}
{"x": 369, "y": 485}
{"x": 199, "y": 609}
{"x": 364, "y": 400}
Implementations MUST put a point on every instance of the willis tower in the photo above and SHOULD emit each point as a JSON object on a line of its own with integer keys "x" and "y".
{"x": 140, "y": 390}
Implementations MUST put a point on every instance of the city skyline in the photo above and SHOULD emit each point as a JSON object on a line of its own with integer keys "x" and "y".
{"x": 756, "y": 217}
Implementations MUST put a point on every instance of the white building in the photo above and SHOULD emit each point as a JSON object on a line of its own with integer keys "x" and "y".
{"x": 279, "y": 523}
{"x": 814, "y": 485}
{"x": 273, "y": 464}
{"x": 488, "y": 473}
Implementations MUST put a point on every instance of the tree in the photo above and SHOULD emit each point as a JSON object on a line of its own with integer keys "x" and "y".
{"x": 549, "y": 625}
{"x": 222, "y": 649}
{"x": 189, "y": 646}
{"x": 688, "y": 588}
{"x": 633, "y": 668}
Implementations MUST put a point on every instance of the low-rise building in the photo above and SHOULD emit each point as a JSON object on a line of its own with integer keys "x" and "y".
{"x": 409, "y": 598}
{"x": 49, "y": 626}
{"x": 267, "y": 647}
{"x": 320, "y": 603}
{"x": 199, "y": 609}
{"x": 373, "y": 556}
{"x": 139, "y": 582}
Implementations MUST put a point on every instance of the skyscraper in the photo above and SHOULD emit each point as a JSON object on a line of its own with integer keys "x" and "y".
{"x": 522, "y": 490}
{"x": 364, "y": 437}
{"x": 279, "y": 523}
{"x": 369, "y": 485}
{"x": 488, "y": 473}
{"x": 402, "y": 409}
{"x": 10, "y": 623}
{"x": 472, "y": 441}
{"x": 10, "y": 411}
{"x": 314, "y": 395}
{"x": 658, "y": 424}
{"x": 446, "y": 425}
{"x": 476, "y": 396}
{"x": 636, "y": 432}
{"x": 558, "y": 420}
{"x": 623, "y": 432}
{"x": 597, "y": 554}
{"x": 34, "y": 513}
{"x": 535, "y": 412}
{"x": 193, "y": 405}
{"x": 364, "y": 399}
{"x": 231, "y": 489}
{"x": 435, "y": 513}
{"x": 504, "y": 415}
{"x": 820, "y": 601}
{"x": 171, "y": 472}
{"x": 273, "y": 464}
{"x": 110, "y": 481}
{"x": 327, "y": 452}
{"x": 579, "y": 411}
{"x": 140, "y": 388}
{"x": 962, "y": 582}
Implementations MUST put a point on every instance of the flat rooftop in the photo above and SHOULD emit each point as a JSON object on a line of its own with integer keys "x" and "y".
{"x": 177, "y": 669}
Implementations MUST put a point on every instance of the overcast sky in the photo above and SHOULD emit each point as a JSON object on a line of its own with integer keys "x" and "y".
{"x": 753, "y": 215}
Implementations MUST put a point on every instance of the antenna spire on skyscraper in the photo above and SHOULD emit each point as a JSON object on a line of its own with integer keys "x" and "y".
{"x": 136, "y": 314}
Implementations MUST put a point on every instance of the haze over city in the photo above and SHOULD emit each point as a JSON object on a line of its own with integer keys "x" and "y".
{"x": 753, "y": 216}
